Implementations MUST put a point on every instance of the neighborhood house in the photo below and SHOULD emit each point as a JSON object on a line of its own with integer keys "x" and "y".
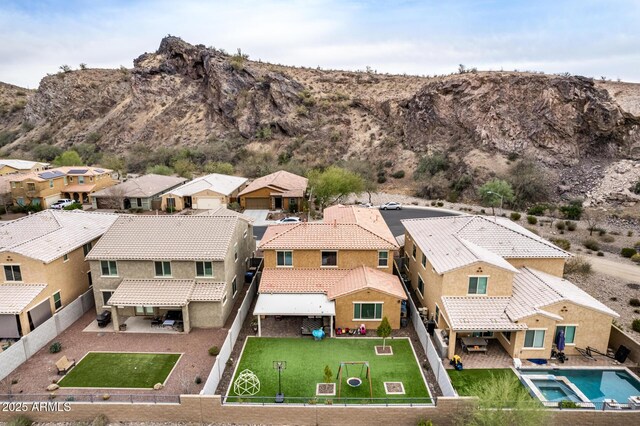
{"x": 8, "y": 166}
{"x": 204, "y": 193}
{"x": 278, "y": 191}
{"x": 143, "y": 192}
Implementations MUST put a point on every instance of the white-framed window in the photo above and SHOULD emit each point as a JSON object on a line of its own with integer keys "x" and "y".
{"x": 224, "y": 299}
{"x": 478, "y": 285}
{"x": 106, "y": 295}
{"x": 50, "y": 183}
{"x": 420, "y": 285}
{"x": 413, "y": 251}
{"x": 31, "y": 186}
{"x": 534, "y": 339}
{"x": 163, "y": 268}
{"x": 482, "y": 334}
{"x": 57, "y": 300}
{"x": 13, "y": 185}
{"x": 244, "y": 234}
{"x": 234, "y": 286}
{"x": 86, "y": 248}
{"x": 66, "y": 181}
{"x": 235, "y": 252}
{"x": 424, "y": 261}
{"x": 329, "y": 259}
{"x": 12, "y": 273}
{"x": 109, "y": 268}
{"x": 65, "y": 257}
{"x": 144, "y": 311}
{"x": 367, "y": 311}
{"x": 383, "y": 259}
{"x": 284, "y": 258}
{"x": 204, "y": 269}
{"x": 569, "y": 333}
{"x": 81, "y": 180}
{"x": 506, "y": 335}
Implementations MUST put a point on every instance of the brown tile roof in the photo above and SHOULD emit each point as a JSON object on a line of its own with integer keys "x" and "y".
{"x": 310, "y": 236}
{"x": 332, "y": 282}
{"x": 78, "y": 188}
{"x": 142, "y": 186}
{"x": 282, "y": 181}
{"x": 165, "y": 292}
{"x": 370, "y": 219}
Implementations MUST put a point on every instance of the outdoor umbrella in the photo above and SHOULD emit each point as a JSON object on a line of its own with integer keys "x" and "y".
{"x": 560, "y": 342}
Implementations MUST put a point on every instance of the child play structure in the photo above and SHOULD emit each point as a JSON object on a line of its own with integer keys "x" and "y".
{"x": 354, "y": 381}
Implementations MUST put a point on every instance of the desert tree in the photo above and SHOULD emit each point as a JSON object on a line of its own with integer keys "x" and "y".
{"x": 384, "y": 330}
{"x": 496, "y": 192}
{"x": 333, "y": 184}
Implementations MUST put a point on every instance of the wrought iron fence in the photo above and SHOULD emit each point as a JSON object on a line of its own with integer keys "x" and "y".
{"x": 329, "y": 400}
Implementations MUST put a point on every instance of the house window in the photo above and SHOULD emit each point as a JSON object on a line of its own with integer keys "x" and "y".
{"x": 437, "y": 315}
{"x": 506, "y": 335}
{"x": 50, "y": 183}
{"x": 109, "y": 268}
{"x": 329, "y": 258}
{"x": 144, "y": 310}
{"x": 534, "y": 339}
{"x": 234, "y": 286}
{"x": 20, "y": 201}
{"x": 383, "y": 259}
{"x": 413, "y": 253}
{"x": 284, "y": 258}
{"x": 420, "y": 285}
{"x": 569, "y": 333}
{"x": 235, "y": 252}
{"x": 70, "y": 178}
{"x": 163, "y": 269}
{"x": 57, "y": 300}
{"x": 106, "y": 295}
{"x": 90, "y": 179}
{"x": 66, "y": 181}
{"x": 245, "y": 234}
{"x": 31, "y": 186}
{"x": 482, "y": 334}
{"x": 12, "y": 273}
{"x": 65, "y": 257}
{"x": 86, "y": 248}
{"x": 13, "y": 185}
{"x": 224, "y": 299}
{"x": 367, "y": 311}
{"x": 81, "y": 180}
{"x": 171, "y": 203}
{"x": 204, "y": 269}
{"x": 139, "y": 202}
{"x": 477, "y": 285}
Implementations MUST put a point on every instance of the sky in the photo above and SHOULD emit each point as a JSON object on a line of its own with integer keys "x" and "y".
{"x": 585, "y": 37}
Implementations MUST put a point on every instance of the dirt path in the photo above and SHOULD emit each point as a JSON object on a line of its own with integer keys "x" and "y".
{"x": 610, "y": 267}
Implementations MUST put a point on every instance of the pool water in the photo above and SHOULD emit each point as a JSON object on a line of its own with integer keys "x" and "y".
{"x": 555, "y": 391}
{"x": 595, "y": 384}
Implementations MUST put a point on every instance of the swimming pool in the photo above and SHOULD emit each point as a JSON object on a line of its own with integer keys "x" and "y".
{"x": 593, "y": 384}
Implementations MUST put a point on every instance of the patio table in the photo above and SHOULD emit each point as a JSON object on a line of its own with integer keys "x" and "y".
{"x": 169, "y": 323}
{"x": 474, "y": 344}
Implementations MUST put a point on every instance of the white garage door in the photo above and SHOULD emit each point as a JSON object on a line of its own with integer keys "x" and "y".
{"x": 208, "y": 203}
{"x": 51, "y": 199}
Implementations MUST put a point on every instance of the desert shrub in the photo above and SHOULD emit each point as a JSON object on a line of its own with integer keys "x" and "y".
{"x": 73, "y": 206}
{"x": 440, "y": 204}
{"x": 398, "y": 174}
{"x": 198, "y": 380}
{"x": 424, "y": 422}
{"x": 591, "y": 244}
{"x": 600, "y": 254}
{"x": 635, "y": 188}
{"x": 214, "y": 350}
{"x": 100, "y": 420}
{"x": 529, "y": 181}
{"x": 532, "y": 230}
{"x": 432, "y": 164}
{"x": 6, "y": 137}
{"x": 515, "y": 216}
{"x": 560, "y": 226}
{"x": 328, "y": 374}
{"x": 55, "y": 347}
{"x": 628, "y": 252}
{"x": 629, "y": 233}
{"x": 577, "y": 265}
{"x": 264, "y": 133}
{"x": 234, "y": 206}
{"x": 562, "y": 243}
{"x": 571, "y": 226}
{"x": 635, "y": 302}
{"x": 160, "y": 169}
{"x": 601, "y": 232}
{"x": 45, "y": 152}
{"x": 568, "y": 404}
{"x": 607, "y": 239}
{"x": 537, "y": 210}
{"x": 20, "y": 420}
{"x": 635, "y": 325}
{"x": 636, "y": 258}
{"x": 532, "y": 220}
{"x": 573, "y": 210}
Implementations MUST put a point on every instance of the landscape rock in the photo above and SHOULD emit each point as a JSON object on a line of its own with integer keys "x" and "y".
{"x": 52, "y": 387}
{"x": 158, "y": 386}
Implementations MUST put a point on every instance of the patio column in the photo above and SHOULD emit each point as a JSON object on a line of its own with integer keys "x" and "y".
{"x": 331, "y": 324}
{"x": 186, "y": 323}
{"x": 259, "y": 327}
{"x": 115, "y": 318}
{"x": 452, "y": 344}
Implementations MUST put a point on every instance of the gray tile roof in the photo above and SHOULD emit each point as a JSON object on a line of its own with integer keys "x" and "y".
{"x": 222, "y": 184}
{"x": 177, "y": 237}
{"x": 50, "y": 234}
{"x": 141, "y": 187}
{"x": 15, "y": 297}
{"x": 222, "y": 211}
{"x": 479, "y": 313}
{"x": 165, "y": 292}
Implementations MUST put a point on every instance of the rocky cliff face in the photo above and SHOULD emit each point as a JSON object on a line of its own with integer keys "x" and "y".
{"x": 193, "y": 96}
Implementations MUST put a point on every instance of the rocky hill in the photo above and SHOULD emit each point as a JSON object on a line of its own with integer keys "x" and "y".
{"x": 228, "y": 108}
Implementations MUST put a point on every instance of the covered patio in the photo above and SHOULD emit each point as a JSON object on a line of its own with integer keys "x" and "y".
{"x": 296, "y": 305}
{"x": 79, "y": 192}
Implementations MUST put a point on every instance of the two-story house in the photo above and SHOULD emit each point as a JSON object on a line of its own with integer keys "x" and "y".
{"x": 340, "y": 269}
{"x": 43, "y": 265}
{"x": 491, "y": 278}
{"x": 8, "y": 166}
{"x": 187, "y": 268}
{"x": 47, "y": 187}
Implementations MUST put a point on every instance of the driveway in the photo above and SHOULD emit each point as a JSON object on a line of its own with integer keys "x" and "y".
{"x": 259, "y": 217}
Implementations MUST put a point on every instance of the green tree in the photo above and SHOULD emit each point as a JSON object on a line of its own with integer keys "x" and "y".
{"x": 333, "y": 184}
{"x": 218, "y": 167}
{"x": 431, "y": 164}
{"x": 367, "y": 173}
{"x": 496, "y": 192}
{"x": 529, "y": 182}
{"x": 46, "y": 152}
{"x": 572, "y": 211}
{"x": 184, "y": 168}
{"x": 113, "y": 162}
{"x": 68, "y": 158}
{"x": 503, "y": 401}
{"x": 384, "y": 330}
{"x": 160, "y": 169}
{"x": 328, "y": 374}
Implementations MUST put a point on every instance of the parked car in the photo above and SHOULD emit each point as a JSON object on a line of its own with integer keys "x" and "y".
{"x": 366, "y": 205}
{"x": 291, "y": 219}
{"x": 391, "y": 205}
{"x": 62, "y": 203}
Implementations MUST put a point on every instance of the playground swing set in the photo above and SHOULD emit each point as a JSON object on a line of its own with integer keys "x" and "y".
{"x": 354, "y": 381}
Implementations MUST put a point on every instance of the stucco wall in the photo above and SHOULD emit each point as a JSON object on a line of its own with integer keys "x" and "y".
{"x": 347, "y": 259}
{"x": 344, "y": 309}
{"x": 206, "y": 314}
{"x": 550, "y": 266}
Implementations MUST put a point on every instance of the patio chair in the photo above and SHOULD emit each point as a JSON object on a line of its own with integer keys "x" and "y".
{"x": 64, "y": 365}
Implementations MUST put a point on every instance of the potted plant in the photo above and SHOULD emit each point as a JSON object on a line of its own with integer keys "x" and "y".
{"x": 254, "y": 325}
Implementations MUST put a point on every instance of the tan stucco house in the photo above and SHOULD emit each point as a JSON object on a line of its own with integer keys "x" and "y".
{"x": 204, "y": 193}
{"x": 43, "y": 265}
{"x": 143, "y": 192}
{"x": 188, "y": 268}
{"x": 489, "y": 277}
{"x": 278, "y": 191}
{"x": 8, "y": 166}
{"x": 339, "y": 270}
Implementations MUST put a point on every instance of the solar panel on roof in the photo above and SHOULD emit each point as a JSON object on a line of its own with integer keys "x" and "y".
{"x": 50, "y": 175}
{"x": 77, "y": 171}
{"x": 99, "y": 170}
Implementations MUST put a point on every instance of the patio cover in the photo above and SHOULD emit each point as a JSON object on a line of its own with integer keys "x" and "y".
{"x": 158, "y": 293}
{"x": 14, "y": 298}
{"x": 294, "y": 304}
{"x": 479, "y": 314}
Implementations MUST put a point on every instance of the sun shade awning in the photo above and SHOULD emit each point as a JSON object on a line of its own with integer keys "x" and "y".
{"x": 294, "y": 304}
{"x": 14, "y": 298}
{"x": 159, "y": 293}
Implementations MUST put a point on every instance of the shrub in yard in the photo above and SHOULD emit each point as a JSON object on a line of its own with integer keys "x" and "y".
{"x": 591, "y": 244}
{"x": 562, "y": 243}
{"x": 568, "y": 404}
{"x": 20, "y": 420}
{"x": 55, "y": 347}
{"x": 515, "y": 216}
{"x": 198, "y": 380}
{"x": 571, "y": 226}
{"x": 74, "y": 206}
{"x": 537, "y": 210}
{"x": 577, "y": 265}
{"x": 635, "y": 325}
{"x": 573, "y": 210}
{"x": 328, "y": 374}
{"x": 560, "y": 226}
{"x": 214, "y": 350}
{"x": 628, "y": 252}
{"x": 607, "y": 239}
{"x": 532, "y": 220}
{"x": 636, "y": 258}
{"x": 100, "y": 420}
{"x": 424, "y": 422}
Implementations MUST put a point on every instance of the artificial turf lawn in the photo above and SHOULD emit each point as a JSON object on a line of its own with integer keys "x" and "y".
{"x": 306, "y": 359}
{"x": 463, "y": 380}
{"x": 120, "y": 370}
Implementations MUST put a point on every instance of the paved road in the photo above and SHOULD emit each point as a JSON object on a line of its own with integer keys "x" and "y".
{"x": 392, "y": 217}
{"x": 615, "y": 269}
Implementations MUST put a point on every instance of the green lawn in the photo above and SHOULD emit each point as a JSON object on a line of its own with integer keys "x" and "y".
{"x": 120, "y": 370}
{"x": 463, "y": 380}
{"x": 307, "y": 358}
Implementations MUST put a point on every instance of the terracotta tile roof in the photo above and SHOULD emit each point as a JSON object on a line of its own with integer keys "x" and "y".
{"x": 50, "y": 234}
{"x": 222, "y": 184}
{"x": 310, "y": 236}
{"x": 456, "y": 241}
{"x": 479, "y": 313}
{"x": 141, "y": 187}
{"x": 152, "y": 292}
{"x": 177, "y": 237}
{"x": 78, "y": 188}
{"x": 369, "y": 219}
{"x": 332, "y": 282}
{"x": 281, "y": 181}
{"x": 15, "y": 297}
